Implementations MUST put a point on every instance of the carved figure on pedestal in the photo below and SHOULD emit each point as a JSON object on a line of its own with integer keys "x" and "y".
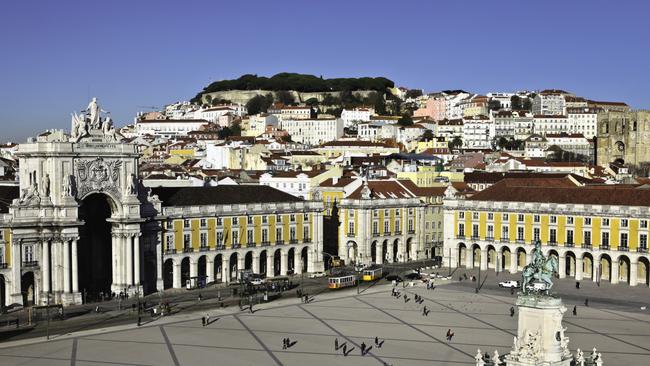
{"x": 67, "y": 186}
{"x": 93, "y": 112}
{"x": 133, "y": 184}
{"x": 79, "y": 126}
{"x": 45, "y": 185}
{"x": 540, "y": 268}
{"x": 30, "y": 195}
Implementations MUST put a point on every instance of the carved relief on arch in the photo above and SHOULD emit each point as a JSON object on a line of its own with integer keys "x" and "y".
{"x": 97, "y": 175}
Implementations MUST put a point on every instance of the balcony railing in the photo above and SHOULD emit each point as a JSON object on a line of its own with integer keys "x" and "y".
{"x": 250, "y": 245}
{"x": 350, "y": 234}
{"x": 623, "y": 248}
{"x": 279, "y": 242}
{"x": 375, "y": 233}
{"x": 460, "y": 236}
{"x": 221, "y": 246}
{"x": 411, "y": 231}
{"x": 266, "y": 243}
{"x": 293, "y": 241}
{"x": 475, "y": 237}
{"x": 569, "y": 245}
{"x": 4, "y": 265}
{"x": 188, "y": 250}
{"x": 30, "y": 264}
{"x": 386, "y": 233}
{"x": 586, "y": 246}
{"x": 520, "y": 241}
{"x": 642, "y": 249}
{"x": 398, "y": 232}
{"x": 552, "y": 243}
{"x": 306, "y": 240}
{"x": 505, "y": 239}
{"x": 489, "y": 238}
{"x": 236, "y": 245}
{"x": 604, "y": 247}
{"x": 170, "y": 251}
{"x": 204, "y": 249}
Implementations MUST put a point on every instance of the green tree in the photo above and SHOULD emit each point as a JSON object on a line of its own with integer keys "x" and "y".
{"x": 208, "y": 99}
{"x": 455, "y": 143}
{"x": 405, "y": 121}
{"x": 494, "y": 105}
{"x": 427, "y": 135}
{"x": 502, "y": 142}
{"x": 329, "y": 99}
{"x": 413, "y": 93}
{"x": 312, "y": 102}
{"x": 515, "y": 102}
{"x": 527, "y": 105}
{"x": 259, "y": 104}
{"x": 285, "y": 97}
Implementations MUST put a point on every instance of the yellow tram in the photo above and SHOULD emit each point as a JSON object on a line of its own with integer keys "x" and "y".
{"x": 341, "y": 281}
{"x": 372, "y": 273}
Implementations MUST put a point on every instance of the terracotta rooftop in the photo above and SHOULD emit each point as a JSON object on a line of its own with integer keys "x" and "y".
{"x": 384, "y": 189}
{"x": 221, "y": 195}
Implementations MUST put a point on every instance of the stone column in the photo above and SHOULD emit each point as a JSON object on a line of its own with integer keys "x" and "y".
{"x": 66, "y": 266}
{"x": 389, "y": 252}
{"x": 45, "y": 267}
{"x": 16, "y": 265}
{"x": 469, "y": 258}
{"x": 136, "y": 260}
{"x": 194, "y": 267}
{"x": 225, "y": 270}
{"x": 579, "y": 268}
{"x": 256, "y": 263}
{"x": 634, "y": 273}
{"x": 177, "y": 275}
{"x": 75, "y": 266}
{"x": 57, "y": 266}
{"x": 615, "y": 272}
{"x": 283, "y": 263}
{"x": 484, "y": 260}
{"x": 269, "y": 264}
{"x": 128, "y": 247}
{"x": 209, "y": 270}
{"x": 561, "y": 264}
{"x": 297, "y": 262}
{"x": 240, "y": 262}
{"x": 160, "y": 283}
{"x": 115, "y": 269}
{"x": 513, "y": 262}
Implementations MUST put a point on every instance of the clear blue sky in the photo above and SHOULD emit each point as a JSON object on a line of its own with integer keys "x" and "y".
{"x": 57, "y": 54}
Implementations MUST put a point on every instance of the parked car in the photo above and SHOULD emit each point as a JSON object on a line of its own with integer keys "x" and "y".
{"x": 413, "y": 276}
{"x": 509, "y": 284}
{"x": 395, "y": 278}
{"x": 316, "y": 274}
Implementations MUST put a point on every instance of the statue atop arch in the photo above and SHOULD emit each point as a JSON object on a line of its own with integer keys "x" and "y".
{"x": 90, "y": 122}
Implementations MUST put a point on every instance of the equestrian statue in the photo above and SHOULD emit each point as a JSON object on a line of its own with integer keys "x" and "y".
{"x": 540, "y": 269}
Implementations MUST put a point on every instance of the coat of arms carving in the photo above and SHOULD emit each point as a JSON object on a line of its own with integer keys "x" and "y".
{"x": 98, "y": 175}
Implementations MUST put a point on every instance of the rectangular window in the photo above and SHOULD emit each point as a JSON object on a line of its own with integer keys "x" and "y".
{"x": 305, "y": 217}
{"x": 278, "y": 233}
{"x": 490, "y": 216}
{"x": 186, "y": 223}
{"x": 569, "y": 220}
{"x": 235, "y": 237}
{"x": 29, "y": 253}
{"x": 461, "y": 230}
{"x": 249, "y": 220}
{"x": 605, "y": 239}
{"x": 490, "y": 231}
{"x": 292, "y": 218}
{"x": 505, "y": 233}
{"x": 475, "y": 231}
{"x": 219, "y": 238}
{"x": 587, "y": 220}
{"x": 520, "y": 218}
{"x": 250, "y": 239}
{"x": 474, "y": 215}
{"x": 569, "y": 236}
{"x": 605, "y": 222}
{"x": 461, "y": 215}
{"x": 219, "y": 221}
{"x": 386, "y": 212}
{"x": 386, "y": 226}
{"x": 204, "y": 223}
{"x": 375, "y": 227}
{"x": 624, "y": 222}
{"x": 623, "y": 242}
{"x": 520, "y": 233}
{"x": 536, "y": 234}
{"x": 265, "y": 219}
{"x": 411, "y": 225}
{"x": 397, "y": 228}
{"x": 644, "y": 224}
{"x": 265, "y": 235}
{"x": 553, "y": 219}
{"x": 305, "y": 233}
{"x": 504, "y": 217}
{"x": 643, "y": 241}
{"x": 292, "y": 233}
{"x": 552, "y": 236}
{"x": 536, "y": 218}
{"x": 235, "y": 220}
{"x": 278, "y": 218}
{"x": 204, "y": 240}
{"x": 587, "y": 236}
{"x": 375, "y": 213}
{"x": 170, "y": 241}
{"x": 187, "y": 241}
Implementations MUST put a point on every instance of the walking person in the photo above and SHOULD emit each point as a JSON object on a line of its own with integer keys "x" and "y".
{"x": 578, "y": 285}
{"x": 284, "y": 343}
{"x": 575, "y": 310}
{"x": 207, "y": 319}
{"x": 345, "y": 349}
{"x": 512, "y": 311}
{"x": 203, "y": 321}
{"x": 587, "y": 302}
{"x": 363, "y": 349}
{"x": 336, "y": 344}
{"x": 376, "y": 341}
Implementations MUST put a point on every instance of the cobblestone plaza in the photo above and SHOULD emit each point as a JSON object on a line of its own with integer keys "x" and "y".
{"x": 240, "y": 338}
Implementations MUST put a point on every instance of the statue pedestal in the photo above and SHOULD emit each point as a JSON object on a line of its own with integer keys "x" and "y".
{"x": 540, "y": 335}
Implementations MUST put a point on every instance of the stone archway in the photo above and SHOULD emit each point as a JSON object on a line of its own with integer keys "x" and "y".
{"x": 462, "y": 255}
{"x": 373, "y": 252}
{"x": 384, "y": 251}
{"x": 234, "y": 267}
{"x": 352, "y": 251}
{"x": 202, "y": 270}
{"x": 491, "y": 257}
{"x": 623, "y": 264}
{"x": 3, "y": 299}
{"x": 218, "y": 268}
{"x": 248, "y": 260}
{"x": 395, "y": 250}
{"x": 28, "y": 288}
{"x": 168, "y": 274}
{"x": 476, "y": 256}
{"x": 262, "y": 260}
{"x": 409, "y": 250}
{"x": 304, "y": 256}
{"x": 95, "y": 248}
{"x": 506, "y": 257}
{"x": 277, "y": 262}
{"x": 587, "y": 266}
{"x": 291, "y": 261}
{"x": 521, "y": 258}
{"x": 605, "y": 267}
{"x": 643, "y": 271}
{"x": 185, "y": 271}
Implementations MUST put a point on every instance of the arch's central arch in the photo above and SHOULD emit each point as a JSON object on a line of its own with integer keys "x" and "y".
{"x": 95, "y": 246}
